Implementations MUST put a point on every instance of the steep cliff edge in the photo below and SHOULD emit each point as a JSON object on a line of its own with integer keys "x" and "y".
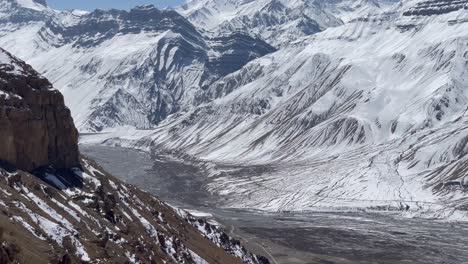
{"x": 36, "y": 127}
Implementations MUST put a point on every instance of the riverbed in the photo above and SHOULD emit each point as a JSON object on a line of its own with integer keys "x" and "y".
{"x": 291, "y": 237}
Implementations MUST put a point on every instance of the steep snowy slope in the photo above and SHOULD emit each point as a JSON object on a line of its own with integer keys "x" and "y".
{"x": 371, "y": 113}
{"x": 348, "y": 10}
{"x": 119, "y": 68}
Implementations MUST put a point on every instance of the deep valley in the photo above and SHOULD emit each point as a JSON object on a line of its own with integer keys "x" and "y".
{"x": 292, "y": 237}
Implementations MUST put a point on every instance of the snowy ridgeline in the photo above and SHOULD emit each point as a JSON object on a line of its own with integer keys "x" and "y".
{"x": 102, "y": 215}
{"x": 279, "y": 22}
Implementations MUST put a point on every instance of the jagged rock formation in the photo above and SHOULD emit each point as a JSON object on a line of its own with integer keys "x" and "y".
{"x": 36, "y": 129}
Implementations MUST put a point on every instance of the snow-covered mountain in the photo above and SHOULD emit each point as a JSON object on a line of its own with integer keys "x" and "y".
{"x": 119, "y": 68}
{"x": 369, "y": 112}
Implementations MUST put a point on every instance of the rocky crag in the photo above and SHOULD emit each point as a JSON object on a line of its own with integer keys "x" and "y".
{"x": 36, "y": 127}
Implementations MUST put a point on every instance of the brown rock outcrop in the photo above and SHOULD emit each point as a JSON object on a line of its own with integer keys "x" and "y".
{"x": 36, "y": 128}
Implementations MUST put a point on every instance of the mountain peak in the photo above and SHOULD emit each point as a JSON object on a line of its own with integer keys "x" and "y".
{"x": 274, "y": 6}
{"x": 13, "y": 68}
{"x": 38, "y": 5}
{"x": 145, "y": 7}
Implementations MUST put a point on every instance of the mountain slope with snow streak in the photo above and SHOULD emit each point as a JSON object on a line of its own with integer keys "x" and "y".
{"x": 369, "y": 114}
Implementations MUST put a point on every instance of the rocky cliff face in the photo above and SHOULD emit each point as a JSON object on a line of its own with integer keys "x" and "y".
{"x": 35, "y": 126}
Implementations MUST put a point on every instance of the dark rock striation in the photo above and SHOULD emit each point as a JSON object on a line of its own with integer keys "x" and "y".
{"x": 436, "y": 7}
{"x": 36, "y": 128}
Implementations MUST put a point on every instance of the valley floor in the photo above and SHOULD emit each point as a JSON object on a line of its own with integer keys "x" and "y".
{"x": 292, "y": 237}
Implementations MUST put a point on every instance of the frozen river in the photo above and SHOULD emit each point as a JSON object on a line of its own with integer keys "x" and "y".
{"x": 308, "y": 237}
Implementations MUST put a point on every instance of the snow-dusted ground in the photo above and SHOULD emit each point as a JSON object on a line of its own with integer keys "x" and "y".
{"x": 77, "y": 219}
